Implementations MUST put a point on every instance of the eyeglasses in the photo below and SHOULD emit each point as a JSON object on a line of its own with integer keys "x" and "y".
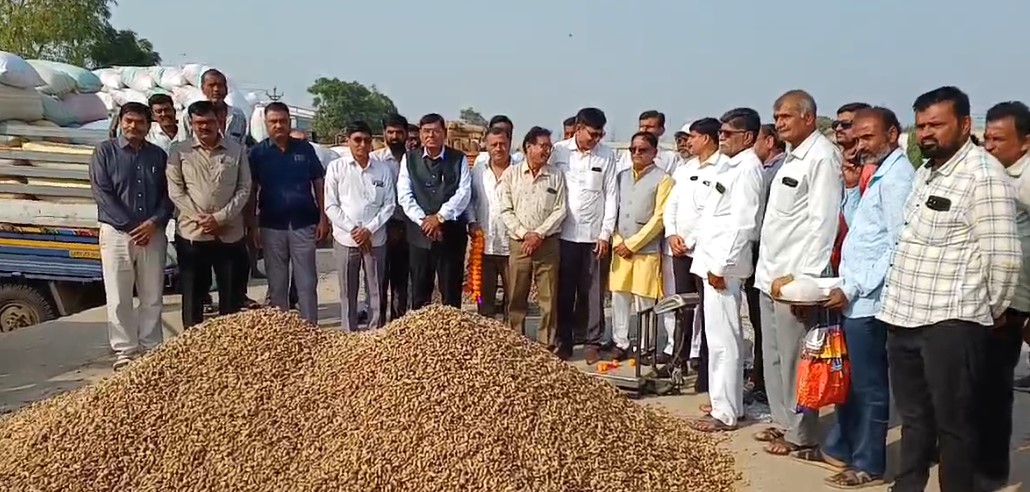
{"x": 842, "y": 124}
{"x": 639, "y": 150}
{"x": 360, "y": 140}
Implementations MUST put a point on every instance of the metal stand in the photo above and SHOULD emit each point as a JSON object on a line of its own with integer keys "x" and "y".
{"x": 668, "y": 378}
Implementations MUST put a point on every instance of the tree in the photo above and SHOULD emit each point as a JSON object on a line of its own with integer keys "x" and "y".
{"x": 122, "y": 47}
{"x": 915, "y": 155}
{"x": 71, "y": 31}
{"x": 60, "y": 30}
{"x": 338, "y": 103}
{"x": 824, "y": 124}
{"x": 472, "y": 117}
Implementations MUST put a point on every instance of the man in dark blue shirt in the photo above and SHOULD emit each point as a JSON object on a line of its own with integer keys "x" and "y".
{"x": 127, "y": 176}
{"x": 289, "y": 211}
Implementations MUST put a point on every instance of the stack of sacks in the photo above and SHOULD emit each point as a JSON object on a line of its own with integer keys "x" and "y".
{"x": 69, "y": 94}
{"x": 137, "y": 84}
{"x": 19, "y": 99}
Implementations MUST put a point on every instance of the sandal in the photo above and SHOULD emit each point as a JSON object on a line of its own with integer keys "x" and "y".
{"x": 783, "y": 447}
{"x": 815, "y": 457}
{"x": 706, "y": 408}
{"x": 769, "y": 434}
{"x": 709, "y": 424}
{"x": 852, "y": 480}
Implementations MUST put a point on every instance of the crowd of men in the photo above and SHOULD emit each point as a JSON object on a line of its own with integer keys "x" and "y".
{"x": 932, "y": 292}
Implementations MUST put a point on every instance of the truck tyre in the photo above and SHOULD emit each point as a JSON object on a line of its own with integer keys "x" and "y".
{"x": 22, "y": 306}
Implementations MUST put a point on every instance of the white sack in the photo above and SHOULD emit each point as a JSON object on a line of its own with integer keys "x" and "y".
{"x": 56, "y": 82}
{"x": 16, "y": 72}
{"x": 20, "y": 104}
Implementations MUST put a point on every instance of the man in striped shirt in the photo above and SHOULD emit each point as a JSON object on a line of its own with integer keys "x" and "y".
{"x": 951, "y": 279}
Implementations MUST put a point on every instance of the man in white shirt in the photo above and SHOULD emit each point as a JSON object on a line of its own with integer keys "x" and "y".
{"x": 589, "y": 168}
{"x": 797, "y": 238}
{"x": 433, "y": 188}
{"x": 682, "y": 213}
{"x": 394, "y": 284}
{"x": 359, "y": 200}
{"x": 164, "y": 131}
{"x": 503, "y": 122}
{"x": 568, "y": 127}
{"x": 682, "y": 138}
{"x": 1007, "y": 138}
{"x": 484, "y": 214}
{"x": 653, "y": 122}
{"x": 729, "y": 224}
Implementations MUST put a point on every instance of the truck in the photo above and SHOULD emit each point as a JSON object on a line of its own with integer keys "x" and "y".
{"x": 49, "y": 233}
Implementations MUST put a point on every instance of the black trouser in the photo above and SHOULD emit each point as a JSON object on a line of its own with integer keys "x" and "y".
{"x": 995, "y": 400}
{"x": 196, "y": 260}
{"x": 934, "y": 371}
{"x": 444, "y": 260}
{"x": 687, "y": 282}
{"x": 580, "y": 294}
{"x": 494, "y": 266}
{"x": 395, "y": 280}
{"x": 755, "y": 316}
{"x": 241, "y": 273}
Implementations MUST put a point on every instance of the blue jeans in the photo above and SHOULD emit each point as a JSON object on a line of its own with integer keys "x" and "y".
{"x": 858, "y": 437}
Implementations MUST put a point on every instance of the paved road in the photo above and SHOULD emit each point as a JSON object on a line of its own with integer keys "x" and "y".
{"x": 53, "y": 357}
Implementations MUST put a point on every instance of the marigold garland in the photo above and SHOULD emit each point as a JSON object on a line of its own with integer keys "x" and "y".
{"x": 474, "y": 286}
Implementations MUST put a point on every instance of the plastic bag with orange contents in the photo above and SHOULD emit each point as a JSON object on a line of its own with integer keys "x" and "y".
{"x": 824, "y": 373}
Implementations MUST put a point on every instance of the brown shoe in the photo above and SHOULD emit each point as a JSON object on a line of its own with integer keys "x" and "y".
{"x": 619, "y": 354}
{"x": 591, "y": 354}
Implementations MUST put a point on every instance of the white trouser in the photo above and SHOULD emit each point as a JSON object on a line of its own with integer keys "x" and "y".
{"x": 125, "y": 266}
{"x": 624, "y": 309}
{"x": 725, "y": 351}
{"x": 669, "y": 288}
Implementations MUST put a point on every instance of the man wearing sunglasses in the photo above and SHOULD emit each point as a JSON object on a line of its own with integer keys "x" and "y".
{"x": 589, "y": 168}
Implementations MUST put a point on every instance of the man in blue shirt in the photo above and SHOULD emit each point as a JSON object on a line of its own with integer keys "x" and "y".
{"x": 856, "y": 444}
{"x": 127, "y": 177}
{"x": 289, "y": 188}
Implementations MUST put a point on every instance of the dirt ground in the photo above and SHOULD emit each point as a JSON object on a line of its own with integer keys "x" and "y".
{"x": 40, "y": 361}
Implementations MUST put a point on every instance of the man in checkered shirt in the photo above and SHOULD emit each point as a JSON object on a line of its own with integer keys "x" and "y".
{"x": 952, "y": 275}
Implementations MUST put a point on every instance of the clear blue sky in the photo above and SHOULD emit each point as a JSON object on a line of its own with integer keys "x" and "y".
{"x": 686, "y": 58}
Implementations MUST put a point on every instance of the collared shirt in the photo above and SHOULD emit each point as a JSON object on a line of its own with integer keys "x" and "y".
{"x": 359, "y": 197}
{"x": 874, "y": 221}
{"x": 731, "y": 217}
{"x": 592, "y": 201}
{"x": 215, "y": 182}
{"x": 235, "y": 126}
{"x": 532, "y": 203}
{"x": 386, "y": 156}
{"x": 1021, "y": 182}
{"x": 129, "y": 185}
{"x": 667, "y": 160}
{"x": 451, "y": 209}
{"x": 485, "y": 209}
{"x": 693, "y": 181}
{"x": 484, "y": 158}
{"x": 158, "y": 137}
{"x": 802, "y": 214}
{"x": 284, "y": 180}
{"x": 958, "y": 254}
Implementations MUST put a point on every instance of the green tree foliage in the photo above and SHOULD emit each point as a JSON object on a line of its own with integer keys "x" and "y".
{"x": 122, "y": 47}
{"x": 824, "y": 124}
{"x": 338, "y": 103}
{"x": 472, "y": 117}
{"x": 71, "y": 31}
{"x": 915, "y": 156}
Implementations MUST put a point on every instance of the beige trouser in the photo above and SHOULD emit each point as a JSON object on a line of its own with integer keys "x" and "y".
{"x": 126, "y": 266}
{"x": 542, "y": 269}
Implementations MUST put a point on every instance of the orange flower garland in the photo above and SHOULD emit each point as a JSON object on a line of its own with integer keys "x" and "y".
{"x": 474, "y": 286}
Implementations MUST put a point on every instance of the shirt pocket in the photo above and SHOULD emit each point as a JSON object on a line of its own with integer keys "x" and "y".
{"x": 594, "y": 179}
{"x": 700, "y": 189}
{"x": 790, "y": 189}
{"x": 936, "y": 221}
{"x": 226, "y": 168}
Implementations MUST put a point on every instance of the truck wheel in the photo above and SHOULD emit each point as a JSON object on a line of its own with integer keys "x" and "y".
{"x": 22, "y": 306}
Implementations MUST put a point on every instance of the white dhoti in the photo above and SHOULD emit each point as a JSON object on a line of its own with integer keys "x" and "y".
{"x": 625, "y": 306}
{"x": 725, "y": 350}
{"x": 668, "y": 289}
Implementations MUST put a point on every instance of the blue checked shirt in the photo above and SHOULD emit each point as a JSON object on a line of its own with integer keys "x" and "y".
{"x": 874, "y": 221}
